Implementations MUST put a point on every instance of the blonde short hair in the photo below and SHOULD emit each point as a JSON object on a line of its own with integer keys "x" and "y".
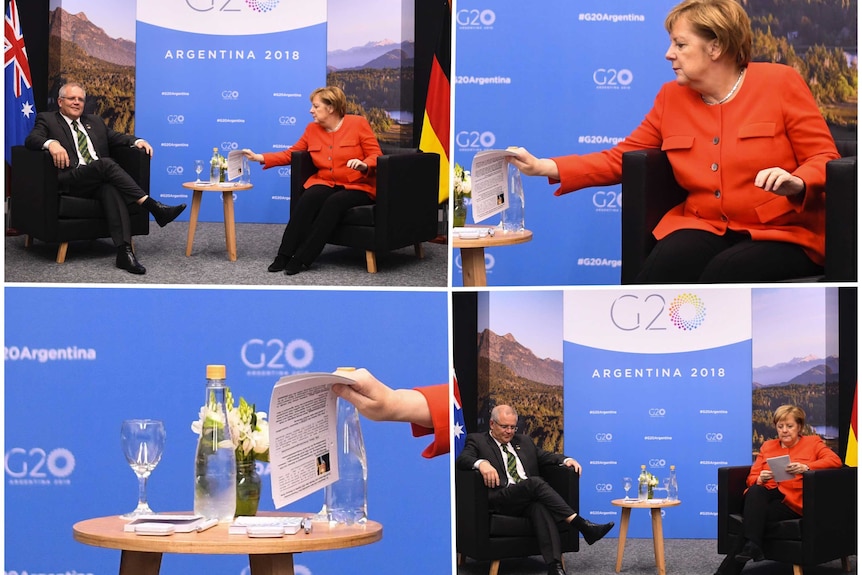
{"x": 722, "y": 20}
{"x": 785, "y": 411}
{"x": 331, "y": 96}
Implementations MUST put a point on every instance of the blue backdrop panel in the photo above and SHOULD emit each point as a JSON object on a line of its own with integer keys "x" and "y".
{"x": 229, "y": 76}
{"x": 564, "y": 79}
{"x": 657, "y": 378}
{"x": 79, "y": 361}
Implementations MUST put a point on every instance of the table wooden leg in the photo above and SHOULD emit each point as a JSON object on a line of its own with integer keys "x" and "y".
{"x": 658, "y": 540}
{"x": 621, "y": 543}
{"x": 140, "y": 563}
{"x": 193, "y": 220}
{"x": 229, "y": 226}
{"x": 473, "y": 267}
{"x": 279, "y": 564}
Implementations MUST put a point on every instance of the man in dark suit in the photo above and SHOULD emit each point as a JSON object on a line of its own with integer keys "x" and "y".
{"x": 509, "y": 464}
{"x": 80, "y": 147}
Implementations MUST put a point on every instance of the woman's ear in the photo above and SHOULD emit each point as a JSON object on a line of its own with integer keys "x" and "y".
{"x": 714, "y": 50}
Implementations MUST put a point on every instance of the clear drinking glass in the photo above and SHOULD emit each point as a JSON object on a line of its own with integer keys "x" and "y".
{"x": 199, "y": 167}
{"x": 666, "y": 483}
{"x": 143, "y": 442}
{"x": 627, "y": 484}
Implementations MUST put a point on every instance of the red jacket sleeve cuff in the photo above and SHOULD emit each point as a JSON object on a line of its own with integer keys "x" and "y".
{"x": 437, "y": 397}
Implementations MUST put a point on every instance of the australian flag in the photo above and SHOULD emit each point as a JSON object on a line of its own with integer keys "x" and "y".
{"x": 459, "y": 433}
{"x": 20, "y": 108}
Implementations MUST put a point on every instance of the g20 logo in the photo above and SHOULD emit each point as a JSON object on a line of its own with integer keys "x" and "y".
{"x": 275, "y": 354}
{"x": 287, "y": 120}
{"x": 629, "y": 312}
{"x": 176, "y": 119}
{"x": 284, "y": 172}
{"x": 475, "y": 139}
{"x": 230, "y": 95}
{"x": 657, "y": 463}
{"x": 608, "y": 200}
{"x": 714, "y": 437}
{"x": 657, "y": 412}
{"x": 604, "y": 437}
{"x": 174, "y": 170}
{"x": 37, "y": 464}
{"x": 604, "y": 487}
{"x": 612, "y": 77}
{"x": 711, "y": 488}
{"x": 475, "y": 17}
{"x": 229, "y": 146}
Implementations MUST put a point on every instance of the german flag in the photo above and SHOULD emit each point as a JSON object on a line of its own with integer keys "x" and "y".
{"x": 852, "y": 457}
{"x": 435, "y": 124}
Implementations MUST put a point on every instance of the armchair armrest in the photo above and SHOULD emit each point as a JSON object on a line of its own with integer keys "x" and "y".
{"x": 649, "y": 190}
{"x": 829, "y": 512}
{"x": 408, "y": 185}
{"x": 841, "y": 222}
{"x": 301, "y": 168}
{"x": 471, "y": 510}
{"x": 731, "y": 488}
{"x": 34, "y": 192}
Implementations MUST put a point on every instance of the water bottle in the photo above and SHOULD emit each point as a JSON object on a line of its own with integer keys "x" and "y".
{"x": 513, "y": 216}
{"x": 672, "y": 487}
{"x": 215, "y": 458}
{"x": 346, "y": 500}
{"x": 643, "y": 484}
{"x": 215, "y": 167}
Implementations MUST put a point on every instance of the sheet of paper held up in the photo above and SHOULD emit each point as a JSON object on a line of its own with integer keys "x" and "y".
{"x": 235, "y": 164}
{"x": 777, "y": 465}
{"x": 303, "y": 446}
{"x": 490, "y": 183}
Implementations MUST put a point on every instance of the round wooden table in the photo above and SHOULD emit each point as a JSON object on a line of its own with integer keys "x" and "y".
{"x": 142, "y": 554}
{"x": 473, "y": 252}
{"x": 227, "y": 190}
{"x": 655, "y": 506}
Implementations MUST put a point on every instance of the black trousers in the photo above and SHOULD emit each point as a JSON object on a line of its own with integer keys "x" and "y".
{"x": 314, "y": 218}
{"x": 535, "y": 499}
{"x": 116, "y": 190}
{"x": 696, "y": 256}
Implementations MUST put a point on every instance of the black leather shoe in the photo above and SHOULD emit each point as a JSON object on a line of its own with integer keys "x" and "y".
{"x": 750, "y": 550}
{"x": 126, "y": 260}
{"x": 556, "y": 568}
{"x": 294, "y": 266}
{"x": 162, "y": 213}
{"x": 592, "y": 532}
{"x": 278, "y": 264}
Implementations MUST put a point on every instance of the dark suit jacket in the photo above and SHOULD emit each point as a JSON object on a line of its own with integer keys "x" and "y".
{"x": 52, "y": 126}
{"x": 482, "y": 446}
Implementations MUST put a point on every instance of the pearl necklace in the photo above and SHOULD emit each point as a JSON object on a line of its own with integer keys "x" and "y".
{"x": 729, "y": 94}
{"x": 335, "y": 129}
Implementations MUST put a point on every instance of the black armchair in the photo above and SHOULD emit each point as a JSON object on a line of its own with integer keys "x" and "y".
{"x": 405, "y": 210}
{"x": 40, "y": 211}
{"x": 827, "y": 530}
{"x": 483, "y": 535}
{"x": 649, "y": 191}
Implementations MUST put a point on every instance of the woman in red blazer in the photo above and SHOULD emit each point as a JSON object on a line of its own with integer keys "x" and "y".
{"x": 344, "y": 150}
{"x": 748, "y": 143}
{"x": 767, "y": 500}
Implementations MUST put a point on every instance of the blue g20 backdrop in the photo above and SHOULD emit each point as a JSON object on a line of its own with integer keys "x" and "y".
{"x": 78, "y": 361}
{"x": 228, "y": 75}
{"x": 557, "y": 78}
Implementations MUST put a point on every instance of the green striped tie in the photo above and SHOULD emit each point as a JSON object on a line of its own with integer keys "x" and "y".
{"x": 82, "y": 143}
{"x": 511, "y": 463}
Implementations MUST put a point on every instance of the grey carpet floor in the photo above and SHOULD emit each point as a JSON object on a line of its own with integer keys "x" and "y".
{"x": 682, "y": 557}
{"x": 162, "y": 252}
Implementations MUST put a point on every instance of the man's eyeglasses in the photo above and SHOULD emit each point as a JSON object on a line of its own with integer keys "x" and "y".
{"x": 72, "y": 99}
{"x": 505, "y": 427}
